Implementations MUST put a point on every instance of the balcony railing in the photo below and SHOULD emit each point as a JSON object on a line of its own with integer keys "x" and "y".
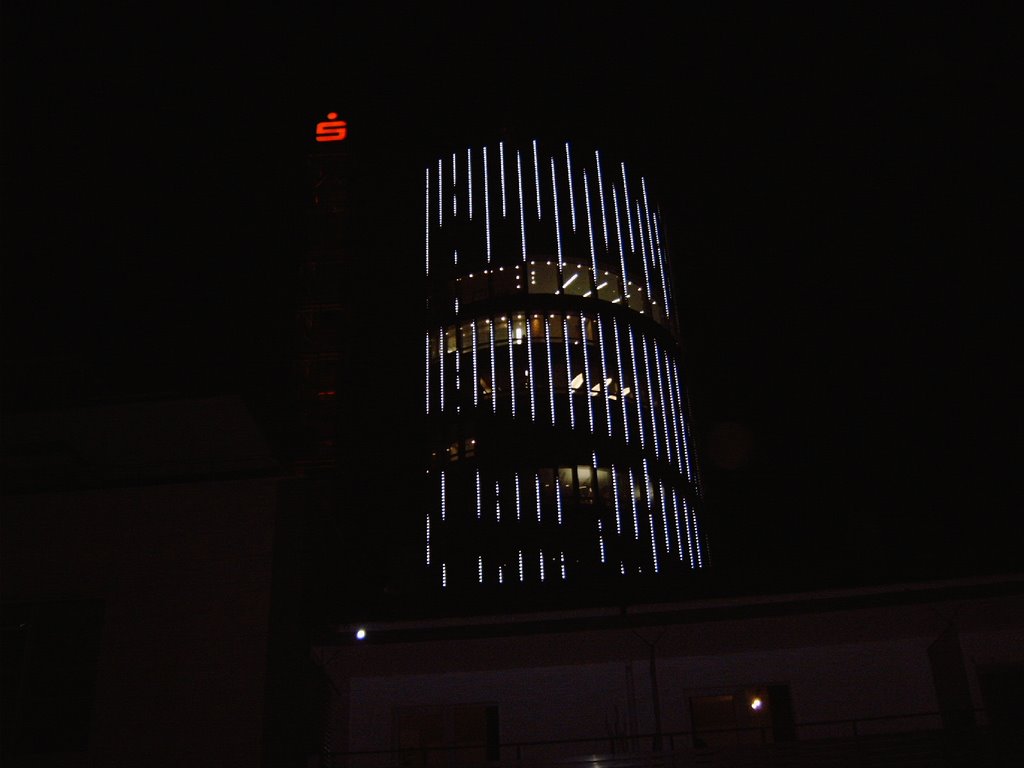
{"x": 904, "y": 741}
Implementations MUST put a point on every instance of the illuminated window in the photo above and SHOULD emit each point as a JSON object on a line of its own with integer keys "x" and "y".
{"x": 586, "y": 480}
{"x": 576, "y": 280}
{"x": 543, "y": 277}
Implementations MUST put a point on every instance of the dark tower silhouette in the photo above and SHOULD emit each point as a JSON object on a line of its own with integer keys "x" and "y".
{"x": 554, "y": 392}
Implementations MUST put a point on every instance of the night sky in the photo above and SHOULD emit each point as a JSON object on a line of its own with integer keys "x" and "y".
{"x": 834, "y": 185}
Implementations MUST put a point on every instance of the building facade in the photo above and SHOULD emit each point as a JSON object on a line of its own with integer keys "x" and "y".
{"x": 554, "y": 390}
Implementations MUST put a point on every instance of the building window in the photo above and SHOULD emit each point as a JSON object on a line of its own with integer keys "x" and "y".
{"x": 755, "y": 715}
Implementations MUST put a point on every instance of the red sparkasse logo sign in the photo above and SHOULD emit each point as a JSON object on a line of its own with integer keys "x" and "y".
{"x": 331, "y": 129}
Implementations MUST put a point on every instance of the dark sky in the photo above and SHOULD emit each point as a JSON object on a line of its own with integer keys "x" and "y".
{"x": 834, "y": 185}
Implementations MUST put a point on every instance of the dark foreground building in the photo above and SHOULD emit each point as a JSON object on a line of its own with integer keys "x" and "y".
{"x": 560, "y": 450}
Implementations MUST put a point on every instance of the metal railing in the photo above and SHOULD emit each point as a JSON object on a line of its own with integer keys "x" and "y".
{"x": 904, "y": 741}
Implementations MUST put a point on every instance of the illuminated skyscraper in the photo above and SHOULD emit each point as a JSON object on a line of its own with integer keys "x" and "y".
{"x": 560, "y": 448}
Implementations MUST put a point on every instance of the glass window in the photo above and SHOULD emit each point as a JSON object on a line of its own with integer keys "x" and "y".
{"x": 466, "y": 336}
{"x": 483, "y": 333}
{"x": 608, "y": 287}
{"x": 565, "y": 483}
{"x": 575, "y": 333}
{"x": 449, "y": 339}
{"x": 547, "y": 486}
{"x": 537, "y": 327}
{"x": 586, "y": 478}
{"x": 518, "y": 328}
{"x": 506, "y": 280}
{"x": 635, "y": 296}
{"x": 604, "y": 485}
{"x": 591, "y": 330}
{"x": 543, "y": 277}
{"x": 555, "y": 321}
{"x": 576, "y": 280}
{"x": 501, "y": 331}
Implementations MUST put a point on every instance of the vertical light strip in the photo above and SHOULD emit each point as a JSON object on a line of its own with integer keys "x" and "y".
{"x": 689, "y": 533}
{"x": 561, "y": 560}
{"x": 615, "y": 497}
{"x": 476, "y": 375}
{"x": 536, "y": 177}
{"x": 568, "y": 370}
{"x": 622, "y": 381}
{"x": 600, "y": 192}
{"x": 441, "y": 345}
{"x": 622, "y": 246}
{"x": 426, "y": 234}
{"x": 540, "y": 557}
{"x": 558, "y": 498}
{"x": 519, "y": 509}
{"x": 497, "y": 501}
{"x": 676, "y": 413}
{"x": 636, "y": 391}
{"x": 480, "y": 569}
{"x": 568, "y": 174}
{"x": 690, "y": 475}
{"x": 444, "y": 575}
{"x": 469, "y": 182}
{"x": 455, "y": 197}
{"x": 595, "y": 275}
{"x": 501, "y": 161}
{"x": 440, "y": 194}
{"x": 444, "y": 496}
{"x": 665, "y": 425}
{"x": 511, "y": 365}
{"x": 529, "y": 367}
{"x": 494, "y": 369}
{"x": 654, "y": 544}
{"x": 558, "y": 225}
{"x": 651, "y": 397}
{"x": 675, "y": 517}
{"x": 648, "y": 487}
{"x": 600, "y": 540}
{"x": 659, "y": 251}
{"x": 536, "y": 488}
{"x": 479, "y": 498}
{"x": 522, "y": 212}
{"x": 664, "y": 517}
{"x": 656, "y": 256}
{"x": 588, "y": 386}
{"x": 521, "y": 574}
{"x": 428, "y": 538}
{"x": 427, "y": 386}
{"x": 632, "y": 499}
{"x": 551, "y": 368}
{"x": 696, "y": 537}
{"x": 643, "y": 255}
{"x": 605, "y": 378}
{"x": 626, "y": 205}
{"x": 458, "y": 367}
{"x": 487, "y": 207}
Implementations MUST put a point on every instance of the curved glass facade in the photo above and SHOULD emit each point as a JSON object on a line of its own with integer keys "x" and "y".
{"x": 553, "y": 389}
